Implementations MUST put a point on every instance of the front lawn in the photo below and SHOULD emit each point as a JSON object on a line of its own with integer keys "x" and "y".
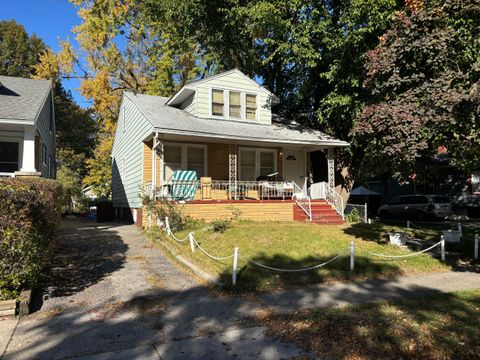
{"x": 296, "y": 245}
{"x": 443, "y": 326}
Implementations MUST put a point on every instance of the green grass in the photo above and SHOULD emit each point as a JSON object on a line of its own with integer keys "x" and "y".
{"x": 296, "y": 245}
{"x": 443, "y": 326}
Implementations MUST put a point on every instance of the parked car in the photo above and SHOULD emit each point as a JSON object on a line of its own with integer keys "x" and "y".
{"x": 417, "y": 207}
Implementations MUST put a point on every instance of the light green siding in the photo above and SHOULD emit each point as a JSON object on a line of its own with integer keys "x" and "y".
{"x": 200, "y": 104}
{"x": 128, "y": 148}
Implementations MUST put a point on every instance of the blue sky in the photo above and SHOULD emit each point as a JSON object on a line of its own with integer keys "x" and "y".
{"x": 49, "y": 20}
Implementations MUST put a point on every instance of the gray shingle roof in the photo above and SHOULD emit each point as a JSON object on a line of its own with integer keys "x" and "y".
{"x": 169, "y": 120}
{"x": 21, "y": 99}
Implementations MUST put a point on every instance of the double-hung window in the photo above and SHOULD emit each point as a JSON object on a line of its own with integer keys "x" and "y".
{"x": 255, "y": 163}
{"x": 184, "y": 157}
{"x": 218, "y": 103}
{"x": 234, "y": 104}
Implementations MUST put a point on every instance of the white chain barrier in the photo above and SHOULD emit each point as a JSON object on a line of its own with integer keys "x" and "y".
{"x": 292, "y": 270}
{"x": 441, "y": 243}
{"x": 236, "y": 255}
{"x": 218, "y": 258}
{"x": 170, "y": 232}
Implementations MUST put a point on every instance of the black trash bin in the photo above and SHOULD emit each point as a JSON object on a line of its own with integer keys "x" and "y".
{"x": 105, "y": 211}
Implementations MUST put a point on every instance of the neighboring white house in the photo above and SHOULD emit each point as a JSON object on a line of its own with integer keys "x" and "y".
{"x": 27, "y": 127}
{"x": 222, "y": 128}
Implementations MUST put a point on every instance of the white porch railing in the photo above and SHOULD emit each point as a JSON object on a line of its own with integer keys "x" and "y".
{"x": 333, "y": 198}
{"x": 5, "y": 174}
{"x": 303, "y": 200}
{"x": 242, "y": 190}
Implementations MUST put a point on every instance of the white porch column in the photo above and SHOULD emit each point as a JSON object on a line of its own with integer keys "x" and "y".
{"x": 331, "y": 167}
{"x": 232, "y": 170}
{"x": 28, "y": 156}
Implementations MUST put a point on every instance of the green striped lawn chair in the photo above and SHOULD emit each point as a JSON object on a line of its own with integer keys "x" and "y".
{"x": 184, "y": 184}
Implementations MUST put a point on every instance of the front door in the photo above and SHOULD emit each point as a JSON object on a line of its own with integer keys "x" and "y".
{"x": 294, "y": 166}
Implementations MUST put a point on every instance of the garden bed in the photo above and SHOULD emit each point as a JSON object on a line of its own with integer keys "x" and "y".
{"x": 293, "y": 245}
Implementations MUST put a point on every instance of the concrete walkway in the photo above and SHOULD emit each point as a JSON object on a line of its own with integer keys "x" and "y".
{"x": 111, "y": 295}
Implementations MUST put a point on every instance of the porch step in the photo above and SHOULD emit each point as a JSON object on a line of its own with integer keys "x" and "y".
{"x": 322, "y": 213}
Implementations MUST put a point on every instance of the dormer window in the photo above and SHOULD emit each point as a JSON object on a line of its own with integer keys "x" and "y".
{"x": 251, "y": 106}
{"x": 218, "y": 102}
{"x": 233, "y": 104}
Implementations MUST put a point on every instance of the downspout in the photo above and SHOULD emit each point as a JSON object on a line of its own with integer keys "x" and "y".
{"x": 154, "y": 164}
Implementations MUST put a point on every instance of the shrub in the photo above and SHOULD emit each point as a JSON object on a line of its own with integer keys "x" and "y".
{"x": 162, "y": 208}
{"x": 220, "y": 225}
{"x": 353, "y": 216}
{"x": 29, "y": 218}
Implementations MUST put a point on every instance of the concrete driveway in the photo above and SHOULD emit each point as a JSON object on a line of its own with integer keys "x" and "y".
{"x": 111, "y": 295}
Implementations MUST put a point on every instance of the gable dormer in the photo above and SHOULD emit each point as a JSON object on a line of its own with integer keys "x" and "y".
{"x": 231, "y": 95}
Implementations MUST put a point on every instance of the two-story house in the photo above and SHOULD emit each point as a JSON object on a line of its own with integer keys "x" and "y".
{"x": 27, "y": 127}
{"x": 215, "y": 144}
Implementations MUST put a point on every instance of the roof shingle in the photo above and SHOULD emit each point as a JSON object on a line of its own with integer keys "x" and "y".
{"x": 21, "y": 98}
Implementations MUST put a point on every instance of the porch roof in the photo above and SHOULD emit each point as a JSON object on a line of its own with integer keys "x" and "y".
{"x": 169, "y": 120}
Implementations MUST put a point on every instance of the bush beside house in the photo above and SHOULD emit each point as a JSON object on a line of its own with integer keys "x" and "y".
{"x": 29, "y": 218}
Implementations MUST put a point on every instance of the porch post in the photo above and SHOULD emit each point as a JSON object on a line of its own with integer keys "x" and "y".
{"x": 331, "y": 167}
{"x": 28, "y": 156}
{"x": 232, "y": 170}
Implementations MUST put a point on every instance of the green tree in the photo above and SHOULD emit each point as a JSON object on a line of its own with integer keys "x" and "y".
{"x": 424, "y": 85}
{"x": 18, "y": 51}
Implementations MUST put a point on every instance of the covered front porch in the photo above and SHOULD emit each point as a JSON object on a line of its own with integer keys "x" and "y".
{"x": 213, "y": 171}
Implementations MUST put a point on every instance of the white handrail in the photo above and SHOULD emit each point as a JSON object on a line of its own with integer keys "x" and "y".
{"x": 304, "y": 201}
{"x": 334, "y": 199}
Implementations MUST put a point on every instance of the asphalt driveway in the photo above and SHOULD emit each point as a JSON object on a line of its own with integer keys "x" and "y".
{"x": 111, "y": 295}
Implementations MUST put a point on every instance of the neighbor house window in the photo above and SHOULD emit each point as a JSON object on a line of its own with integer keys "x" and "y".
{"x": 476, "y": 182}
{"x": 44, "y": 154}
{"x": 218, "y": 102}
{"x": 234, "y": 105}
{"x": 184, "y": 157}
{"x": 9, "y": 154}
{"x": 251, "y": 106}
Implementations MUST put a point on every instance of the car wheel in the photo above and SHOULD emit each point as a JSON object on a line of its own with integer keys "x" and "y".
{"x": 421, "y": 215}
{"x": 383, "y": 214}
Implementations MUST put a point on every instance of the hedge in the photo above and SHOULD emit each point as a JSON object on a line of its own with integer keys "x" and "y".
{"x": 29, "y": 218}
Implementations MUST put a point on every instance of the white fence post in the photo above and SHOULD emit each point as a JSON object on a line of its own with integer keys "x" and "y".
{"x": 477, "y": 239}
{"x": 235, "y": 266}
{"x": 192, "y": 241}
{"x": 408, "y": 224}
{"x": 365, "y": 215}
{"x": 459, "y": 228}
{"x": 167, "y": 226}
{"x": 442, "y": 244}
{"x": 352, "y": 255}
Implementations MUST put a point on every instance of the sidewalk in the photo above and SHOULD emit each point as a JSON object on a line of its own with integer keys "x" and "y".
{"x": 369, "y": 291}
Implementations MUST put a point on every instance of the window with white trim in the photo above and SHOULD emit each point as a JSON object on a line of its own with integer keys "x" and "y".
{"x": 251, "y": 107}
{"x": 218, "y": 102}
{"x": 234, "y": 104}
{"x": 255, "y": 163}
{"x": 9, "y": 157}
{"x": 44, "y": 154}
{"x": 184, "y": 157}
